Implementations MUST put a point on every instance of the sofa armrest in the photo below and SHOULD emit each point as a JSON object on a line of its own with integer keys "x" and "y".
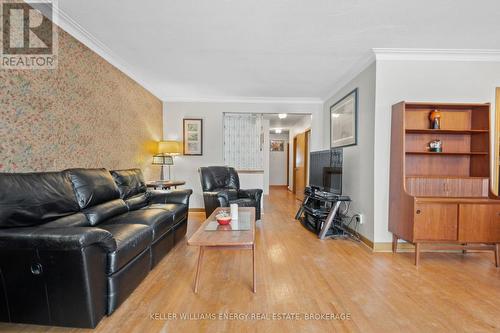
{"x": 212, "y": 200}
{"x": 55, "y": 275}
{"x": 63, "y": 238}
{"x": 175, "y": 196}
{"x": 255, "y": 194}
{"x": 222, "y": 197}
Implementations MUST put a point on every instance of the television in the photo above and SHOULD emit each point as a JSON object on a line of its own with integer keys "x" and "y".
{"x": 325, "y": 170}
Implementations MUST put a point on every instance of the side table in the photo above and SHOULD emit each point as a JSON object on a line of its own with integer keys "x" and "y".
{"x": 165, "y": 184}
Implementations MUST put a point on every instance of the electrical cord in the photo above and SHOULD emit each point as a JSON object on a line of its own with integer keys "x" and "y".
{"x": 347, "y": 232}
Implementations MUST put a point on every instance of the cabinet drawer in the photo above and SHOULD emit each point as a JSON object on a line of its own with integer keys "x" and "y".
{"x": 447, "y": 187}
{"x": 479, "y": 223}
{"x": 468, "y": 187}
{"x": 435, "y": 222}
{"x": 423, "y": 187}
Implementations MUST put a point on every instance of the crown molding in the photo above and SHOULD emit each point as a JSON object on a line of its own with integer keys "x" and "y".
{"x": 413, "y": 54}
{"x": 350, "y": 74}
{"x": 68, "y": 24}
{"x": 236, "y": 99}
{"x": 437, "y": 54}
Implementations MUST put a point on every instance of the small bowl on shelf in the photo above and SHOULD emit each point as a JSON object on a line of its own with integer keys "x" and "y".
{"x": 223, "y": 218}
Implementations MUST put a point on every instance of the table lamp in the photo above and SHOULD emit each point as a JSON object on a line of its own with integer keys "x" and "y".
{"x": 166, "y": 152}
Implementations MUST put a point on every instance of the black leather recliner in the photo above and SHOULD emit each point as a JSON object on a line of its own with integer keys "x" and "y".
{"x": 75, "y": 244}
{"x": 221, "y": 187}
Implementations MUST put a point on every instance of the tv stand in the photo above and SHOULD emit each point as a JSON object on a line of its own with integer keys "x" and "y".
{"x": 321, "y": 207}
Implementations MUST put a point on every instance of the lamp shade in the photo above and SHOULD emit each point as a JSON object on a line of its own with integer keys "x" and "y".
{"x": 161, "y": 159}
{"x": 169, "y": 147}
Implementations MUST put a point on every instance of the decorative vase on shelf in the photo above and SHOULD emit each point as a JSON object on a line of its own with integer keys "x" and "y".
{"x": 435, "y": 118}
{"x": 436, "y": 146}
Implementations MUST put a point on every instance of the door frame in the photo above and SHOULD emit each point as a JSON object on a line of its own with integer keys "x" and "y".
{"x": 287, "y": 164}
{"x": 307, "y": 134}
{"x": 294, "y": 163}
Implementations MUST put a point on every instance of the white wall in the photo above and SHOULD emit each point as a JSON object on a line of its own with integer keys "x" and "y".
{"x": 265, "y": 159}
{"x": 186, "y": 167}
{"x": 358, "y": 176}
{"x": 416, "y": 81}
{"x": 278, "y": 162}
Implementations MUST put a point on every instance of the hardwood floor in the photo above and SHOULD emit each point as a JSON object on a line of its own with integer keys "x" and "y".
{"x": 296, "y": 272}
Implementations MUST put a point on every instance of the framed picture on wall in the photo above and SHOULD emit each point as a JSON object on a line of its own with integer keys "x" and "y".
{"x": 344, "y": 122}
{"x": 277, "y": 145}
{"x": 193, "y": 136}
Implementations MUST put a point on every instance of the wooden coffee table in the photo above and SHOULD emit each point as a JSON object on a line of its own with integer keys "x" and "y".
{"x": 224, "y": 239}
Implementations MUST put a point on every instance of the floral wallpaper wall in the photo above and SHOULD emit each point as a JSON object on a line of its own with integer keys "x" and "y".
{"x": 85, "y": 113}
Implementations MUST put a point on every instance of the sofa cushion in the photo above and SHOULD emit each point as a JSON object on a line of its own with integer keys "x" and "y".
{"x": 137, "y": 201}
{"x": 74, "y": 220}
{"x": 93, "y": 186}
{"x": 160, "y": 220}
{"x": 29, "y": 199}
{"x": 99, "y": 213}
{"x": 130, "y": 182}
{"x": 131, "y": 240}
{"x": 179, "y": 211}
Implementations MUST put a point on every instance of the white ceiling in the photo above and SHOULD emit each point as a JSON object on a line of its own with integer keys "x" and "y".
{"x": 272, "y": 49}
{"x": 287, "y": 123}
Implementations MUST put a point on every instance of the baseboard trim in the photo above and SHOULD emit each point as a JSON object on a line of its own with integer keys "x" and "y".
{"x": 384, "y": 247}
{"x": 387, "y": 247}
{"x": 365, "y": 241}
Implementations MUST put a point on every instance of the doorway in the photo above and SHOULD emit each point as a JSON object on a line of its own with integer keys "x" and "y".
{"x": 283, "y": 128}
{"x": 278, "y": 159}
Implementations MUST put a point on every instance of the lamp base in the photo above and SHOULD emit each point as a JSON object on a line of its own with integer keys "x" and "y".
{"x": 162, "y": 176}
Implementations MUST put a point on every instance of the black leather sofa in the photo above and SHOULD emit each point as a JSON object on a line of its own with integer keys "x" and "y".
{"x": 75, "y": 244}
{"x": 221, "y": 187}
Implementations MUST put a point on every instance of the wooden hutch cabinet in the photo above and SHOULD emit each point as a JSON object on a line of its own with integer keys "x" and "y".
{"x": 442, "y": 200}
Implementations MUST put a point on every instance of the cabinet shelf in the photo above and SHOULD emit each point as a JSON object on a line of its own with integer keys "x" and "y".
{"x": 446, "y": 153}
{"x": 444, "y": 131}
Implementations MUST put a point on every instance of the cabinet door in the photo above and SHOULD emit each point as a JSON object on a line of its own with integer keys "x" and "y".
{"x": 436, "y": 221}
{"x": 479, "y": 223}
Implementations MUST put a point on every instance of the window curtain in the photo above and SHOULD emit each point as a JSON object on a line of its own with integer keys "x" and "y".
{"x": 243, "y": 141}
